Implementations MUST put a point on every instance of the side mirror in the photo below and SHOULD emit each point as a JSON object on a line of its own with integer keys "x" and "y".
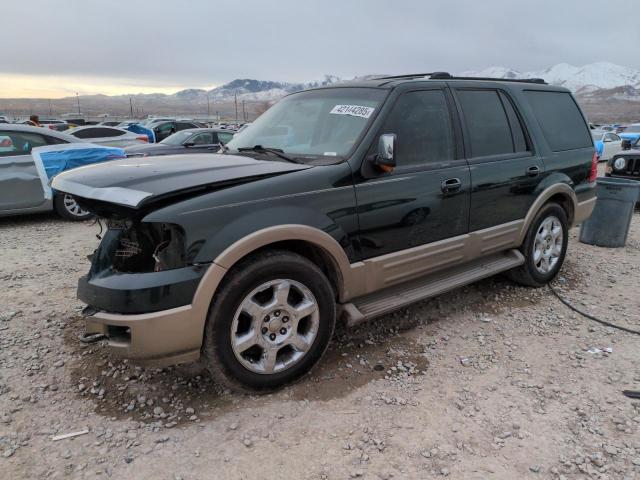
{"x": 626, "y": 144}
{"x": 189, "y": 144}
{"x": 386, "y": 158}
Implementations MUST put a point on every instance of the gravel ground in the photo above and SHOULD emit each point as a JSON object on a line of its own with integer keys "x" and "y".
{"x": 492, "y": 381}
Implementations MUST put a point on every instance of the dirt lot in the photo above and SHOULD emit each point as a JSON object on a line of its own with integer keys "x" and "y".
{"x": 491, "y": 381}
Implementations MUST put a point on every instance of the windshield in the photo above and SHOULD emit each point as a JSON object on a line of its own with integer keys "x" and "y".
{"x": 177, "y": 138}
{"x": 325, "y": 122}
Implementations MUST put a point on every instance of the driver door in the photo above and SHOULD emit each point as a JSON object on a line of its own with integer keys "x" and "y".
{"x": 426, "y": 198}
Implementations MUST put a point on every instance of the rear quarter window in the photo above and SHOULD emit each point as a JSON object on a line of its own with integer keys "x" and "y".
{"x": 559, "y": 117}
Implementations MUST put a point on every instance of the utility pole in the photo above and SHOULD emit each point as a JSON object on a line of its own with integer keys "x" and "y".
{"x": 244, "y": 114}
{"x": 131, "y": 106}
{"x": 235, "y": 99}
{"x": 78, "y": 100}
{"x": 50, "y": 109}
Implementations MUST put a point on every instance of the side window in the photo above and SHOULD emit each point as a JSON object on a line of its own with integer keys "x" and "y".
{"x": 84, "y": 133}
{"x": 184, "y": 126}
{"x": 202, "y": 139}
{"x": 487, "y": 123}
{"x": 19, "y": 143}
{"x": 561, "y": 121}
{"x": 519, "y": 138}
{"x": 165, "y": 127}
{"x": 422, "y": 124}
{"x": 55, "y": 140}
{"x": 610, "y": 137}
{"x": 224, "y": 137}
{"x": 106, "y": 132}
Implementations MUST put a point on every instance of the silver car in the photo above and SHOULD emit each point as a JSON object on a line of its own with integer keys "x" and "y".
{"x": 21, "y": 188}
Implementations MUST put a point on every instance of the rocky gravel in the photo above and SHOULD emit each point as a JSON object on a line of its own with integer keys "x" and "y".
{"x": 492, "y": 381}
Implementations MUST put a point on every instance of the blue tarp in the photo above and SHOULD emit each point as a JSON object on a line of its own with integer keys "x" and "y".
{"x": 53, "y": 159}
{"x": 137, "y": 128}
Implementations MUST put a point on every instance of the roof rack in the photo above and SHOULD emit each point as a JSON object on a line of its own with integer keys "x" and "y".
{"x": 448, "y": 76}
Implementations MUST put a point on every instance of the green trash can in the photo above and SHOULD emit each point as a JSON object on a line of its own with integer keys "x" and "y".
{"x": 609, "y": 223}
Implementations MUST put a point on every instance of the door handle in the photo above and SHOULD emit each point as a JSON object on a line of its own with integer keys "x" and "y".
{"x": 451, "y": 185}
{"x": 533, "y": 171}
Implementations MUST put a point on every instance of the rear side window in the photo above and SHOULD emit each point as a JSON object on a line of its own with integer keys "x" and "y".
{"x": 560, "y": 119}
{"x": 487, "y": 122}
{"x": 422, "y": 124}
{"x": 224, "y": 137}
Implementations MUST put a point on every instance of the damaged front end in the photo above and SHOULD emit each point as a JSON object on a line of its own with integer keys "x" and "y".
{"x": 140, "y": 267}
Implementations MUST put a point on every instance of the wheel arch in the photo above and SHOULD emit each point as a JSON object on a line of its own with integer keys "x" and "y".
{"x": 560, "y": 193}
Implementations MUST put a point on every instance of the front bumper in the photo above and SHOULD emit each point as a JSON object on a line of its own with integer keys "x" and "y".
{"x": 140, "y": 292}
{"x": 159, "y": 338}
{"x": 154, "y": 339}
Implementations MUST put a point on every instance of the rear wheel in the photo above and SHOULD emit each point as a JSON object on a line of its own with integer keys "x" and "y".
{"x": 67, "y": 207}
{"x": 270, "y": 323}
{"x": 544, "y": 248}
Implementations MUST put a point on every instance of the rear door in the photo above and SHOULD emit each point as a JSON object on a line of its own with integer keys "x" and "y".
{"x": 426, "y": 197}
{"x": 505, "y": 170}
{"x": 20, "y": 185}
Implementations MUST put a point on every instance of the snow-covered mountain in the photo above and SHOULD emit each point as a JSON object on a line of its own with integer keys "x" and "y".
{"x": 253, "y": 90}
{"x": 582, "y": 80}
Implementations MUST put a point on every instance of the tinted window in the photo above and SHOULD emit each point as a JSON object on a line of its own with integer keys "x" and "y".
{"x": 97, "y": 133}
{"x": 224, "y": 137}
{"x": 560, "y": 119}
{"x": 487, "y": 123}
{"x": 19, "y": 143}
{"x": 520, "y": 143}
{"x": 422, "y": 124}
{"x": 185, "y": 125}
{"x": 165, "y": 127}
{"x": 206, "y": 138}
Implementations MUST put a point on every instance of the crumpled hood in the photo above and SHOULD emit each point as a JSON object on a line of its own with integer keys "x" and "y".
{"x": 136, "y": 182}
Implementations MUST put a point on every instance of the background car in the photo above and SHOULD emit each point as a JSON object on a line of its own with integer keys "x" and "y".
{"x": 607, "y": 144}
{"x": 192, "y": 140}
{"x": 20, "y": 184}
{"x": 110, "y": 123}
{"x": 110, "y": 136}
{"x": 163, "y": 129}
{"x": 631, "y": 132}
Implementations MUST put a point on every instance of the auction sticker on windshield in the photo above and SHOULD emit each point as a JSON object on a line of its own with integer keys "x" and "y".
{"x": 353, "y": 110}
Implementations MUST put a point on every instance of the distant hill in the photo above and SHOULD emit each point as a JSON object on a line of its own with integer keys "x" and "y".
{"x": 607, "y": 92}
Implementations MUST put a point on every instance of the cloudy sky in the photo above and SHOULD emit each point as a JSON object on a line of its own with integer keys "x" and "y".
{"x": 56, "y": 48}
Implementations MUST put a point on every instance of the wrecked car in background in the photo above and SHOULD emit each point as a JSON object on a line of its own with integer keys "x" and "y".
{"x": 343, "y": 202}
{"x": 30, "y": 156}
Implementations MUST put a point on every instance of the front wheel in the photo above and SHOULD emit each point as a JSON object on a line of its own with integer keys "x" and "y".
{"x": 67, "y": 207}
{"x": 544, "y": 248}
{"x": 270, "y": 323}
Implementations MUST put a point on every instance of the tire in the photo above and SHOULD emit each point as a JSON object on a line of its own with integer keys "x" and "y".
{"x": 66, "y": 206}
{"x": 249, "y": 319}
{"x": 532, "y": 273}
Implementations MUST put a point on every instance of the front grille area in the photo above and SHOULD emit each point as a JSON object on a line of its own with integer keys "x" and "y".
{"x": 633, "y": 167}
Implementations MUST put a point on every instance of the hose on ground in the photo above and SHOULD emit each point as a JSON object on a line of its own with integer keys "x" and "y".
{"x": 590, "y": 317}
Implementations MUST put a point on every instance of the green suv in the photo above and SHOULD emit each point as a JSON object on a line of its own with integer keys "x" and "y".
{"x": 338, "y": 203}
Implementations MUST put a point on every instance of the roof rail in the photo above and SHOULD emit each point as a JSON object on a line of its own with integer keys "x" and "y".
{"x": 448, "y": 76}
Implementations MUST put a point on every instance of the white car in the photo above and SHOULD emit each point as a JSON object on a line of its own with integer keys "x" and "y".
{"x": 607, "y": 144}
{"x": 108, "y": 136}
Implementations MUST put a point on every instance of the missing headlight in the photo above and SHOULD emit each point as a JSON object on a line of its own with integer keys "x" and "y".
{"x": 145, "y": 247}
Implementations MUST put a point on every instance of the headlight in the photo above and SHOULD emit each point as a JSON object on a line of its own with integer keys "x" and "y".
{"x": 619, "y": 163}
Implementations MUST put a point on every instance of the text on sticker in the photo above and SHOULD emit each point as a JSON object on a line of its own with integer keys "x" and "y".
{"x": 353, "y": 110}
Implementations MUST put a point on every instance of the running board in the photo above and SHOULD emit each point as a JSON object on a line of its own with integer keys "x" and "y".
{"x": 398, "y": 296}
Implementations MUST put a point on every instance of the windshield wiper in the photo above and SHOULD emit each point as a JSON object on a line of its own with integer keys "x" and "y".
{"x": 274, "y": 151}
